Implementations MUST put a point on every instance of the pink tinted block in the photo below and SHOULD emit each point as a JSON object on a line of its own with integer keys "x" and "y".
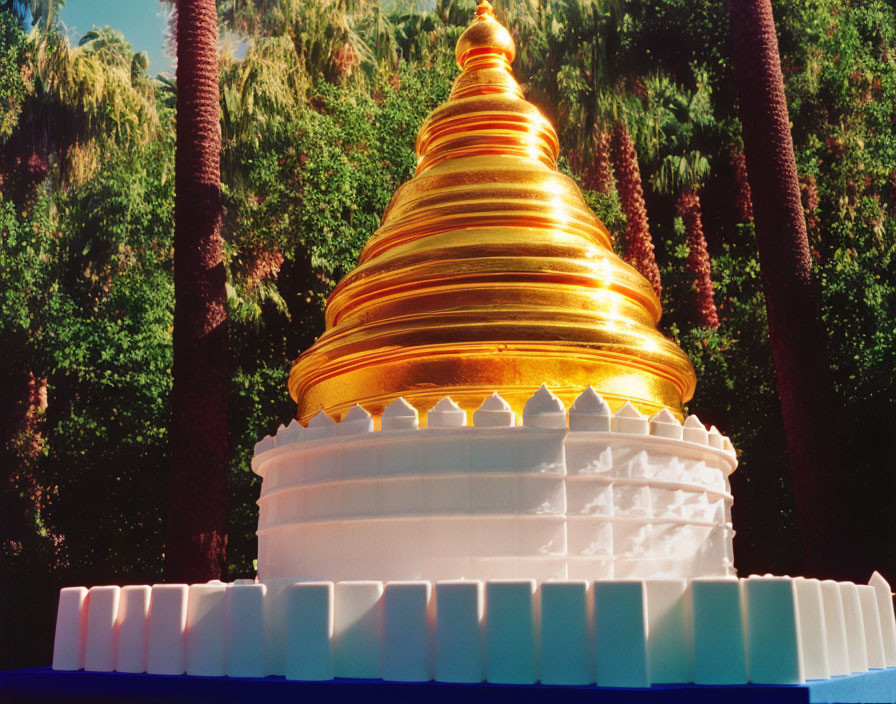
{"x": 206, "y": 630}
{"x": 99, "y": 646}
{"x": 166, "y": 652}
{"x": 71, "y": 628}
{"x": 358, "y": 630}
{"x": 245, "y": 630}
{"x": 132, "y": 626}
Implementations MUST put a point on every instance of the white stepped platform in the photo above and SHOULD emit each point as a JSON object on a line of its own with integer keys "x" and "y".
{"x": 621, "y": 633}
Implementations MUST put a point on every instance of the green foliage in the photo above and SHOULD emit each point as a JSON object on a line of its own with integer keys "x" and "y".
{"x": 12, "y": 86}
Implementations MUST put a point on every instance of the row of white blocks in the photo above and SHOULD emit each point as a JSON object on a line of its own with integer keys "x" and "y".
{"x": 622, "y": 633}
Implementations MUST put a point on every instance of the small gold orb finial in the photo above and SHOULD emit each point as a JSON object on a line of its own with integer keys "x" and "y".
{"x": 485, "y": 36}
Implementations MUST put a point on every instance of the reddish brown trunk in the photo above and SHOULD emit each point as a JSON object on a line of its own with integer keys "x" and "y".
{"x": 197, "y": 514}
{"x": 743, "y": 199}
{"x": 638, "y": 244}
{"x": 598, "y": 174}
{"x": 688, "y": 206}
{"x": 822, "y": 491}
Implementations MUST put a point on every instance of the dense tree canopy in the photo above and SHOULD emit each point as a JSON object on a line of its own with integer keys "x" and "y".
{"x": 318, "y": 122}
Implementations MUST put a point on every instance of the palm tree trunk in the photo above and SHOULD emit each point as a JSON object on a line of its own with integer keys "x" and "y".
{"x": 743, "y": 199}
{"x": 197, "y": 513}
{"x": 688, "y": 207}
{"x": 599, "y": 172}
{"x": 638, "y": 244}
{"x": 822, "y": 491}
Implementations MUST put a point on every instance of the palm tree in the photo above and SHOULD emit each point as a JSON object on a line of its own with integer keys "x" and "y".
{"x": 828, "y": 519}
{"x": 684, "y": 174}
{"x": 197, "y": 513}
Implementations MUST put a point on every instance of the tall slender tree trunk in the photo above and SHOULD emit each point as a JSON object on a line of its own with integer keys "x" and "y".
{"x": 688, "y": 206}
{"x": 638, "y": 244}
{"x": 197, "y": 514}
{"x": 822, "y": 490}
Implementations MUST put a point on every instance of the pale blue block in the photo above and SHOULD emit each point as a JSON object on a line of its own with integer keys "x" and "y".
{"x": 773, "y": 639}
{"x": 309, "y": 631}
{"x": 510, "y": 632}
{"x": 621, "y": 633}
{"x": 207, "y": 630}
{"x": 407, "y": 641}
{"x": 245, "y": 630}
{"x": 567, "y": 633}
{"x": 460, "y": 646}
{"x": 720, "y": 655}
{"x": 358, "y": 630}
{"x": 856, "y": 644}
{"x": 669, "y": 640}
{"x": 275, "y": 625}
{"x": 165, "y": 650}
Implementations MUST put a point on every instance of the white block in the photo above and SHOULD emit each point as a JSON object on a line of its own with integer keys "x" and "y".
{"x": 358, "y": 630}
{"x": 720, "y": 653}
{"x": 813, "y": 633}
{"x": 668, "y": 630}
{"x": 407, "y": 644}
{"x": 309, "y": 631}
{"x": 275, "y": 626}
{"x": 887, "y": 619}
{"x": 207, "y": 630}
{"x": 856, "y": 645}
{"x": 510, "y": 631}
{"x": 245, "y": 630}
{"x": 567, "y": 633}
{"x": 460, "y": 646}
{"x": 621, "y": 633}
{"x": 132, "y": 626}
{"x": 835, "y": 628}
{"x": 774, "y": 654}
{"x": 874, "y": 642}
{"x": 165, "y": 649}
{"x": 99, "y": 644}
{"x": 71, "y": 629}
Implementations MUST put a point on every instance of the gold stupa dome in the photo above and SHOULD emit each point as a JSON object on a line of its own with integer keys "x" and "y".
{"x": 489, "y": 273}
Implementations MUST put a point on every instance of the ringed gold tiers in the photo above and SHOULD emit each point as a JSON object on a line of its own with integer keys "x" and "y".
{"x": 489, "y": 273}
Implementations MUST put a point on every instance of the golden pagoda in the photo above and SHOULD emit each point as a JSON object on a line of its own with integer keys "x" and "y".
{"x": 489, "y": 273}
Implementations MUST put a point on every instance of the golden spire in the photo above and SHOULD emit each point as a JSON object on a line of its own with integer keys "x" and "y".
{"x": 489, "y": 273}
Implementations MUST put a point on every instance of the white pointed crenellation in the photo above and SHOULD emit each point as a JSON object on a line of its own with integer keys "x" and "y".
{"x": 544, "y": 410}
{"x": 715, "y": 438}
{"x": 589, "y": 412}
{"x": 630, "y": 421}
{"x": 291, "y": 434}
{"x": 265, "y": 444}
{"x": 494, "y": 412}
{"x": 355, "y": 422}
{"x": 665, "y": 425}
{"x": 727, "y": 446}
{"x": 694, "y": 431}
{"x": 320, "y": 426}
{"x": 446, "y": 414}
{"x": 399, "y": 415}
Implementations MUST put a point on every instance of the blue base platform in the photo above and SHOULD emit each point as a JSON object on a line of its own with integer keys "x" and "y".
{"x": 44, "y": 685}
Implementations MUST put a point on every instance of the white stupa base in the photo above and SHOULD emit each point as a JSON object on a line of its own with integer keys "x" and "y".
{"x": 621, "y": 633}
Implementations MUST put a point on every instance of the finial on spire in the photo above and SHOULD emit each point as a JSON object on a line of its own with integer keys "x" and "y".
{"x": 485, "y": 8}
